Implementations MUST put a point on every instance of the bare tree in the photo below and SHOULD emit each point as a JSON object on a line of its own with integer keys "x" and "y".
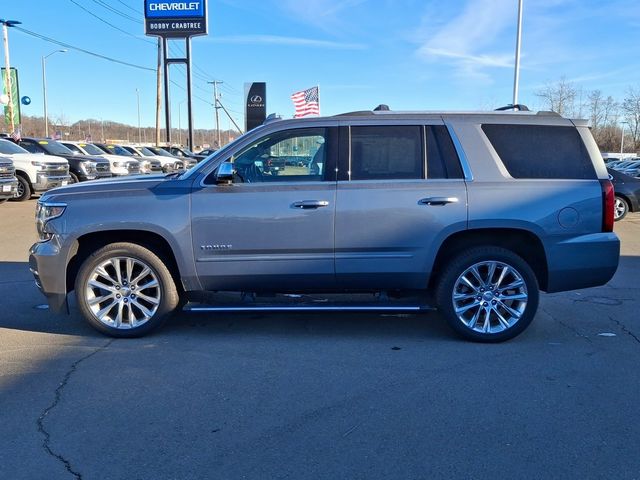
{"x": 631, "y": 112}
{"x": 559, "y": 97}
{"x": 603, "y": 114}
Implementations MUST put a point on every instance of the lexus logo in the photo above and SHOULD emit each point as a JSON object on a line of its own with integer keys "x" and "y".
{"x": 256, "y": 99}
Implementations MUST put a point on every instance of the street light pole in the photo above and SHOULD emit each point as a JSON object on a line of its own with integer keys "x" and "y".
{"x": 7, "y": 64}
{"x": 516, "y": 75}
{"x": 139, "y": 131}
{"x": 622, "y": 124}
{"x": 44, "y": 89}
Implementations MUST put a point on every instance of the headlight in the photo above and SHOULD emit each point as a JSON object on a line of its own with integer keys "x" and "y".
{"x": 39, "y": 165}
{"x": 88, "y": 167}
{"x": 46, "y": 211}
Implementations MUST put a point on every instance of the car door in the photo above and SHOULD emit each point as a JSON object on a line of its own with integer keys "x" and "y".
{"x": 269, "y": 230}
{"x": 402, "y": 194}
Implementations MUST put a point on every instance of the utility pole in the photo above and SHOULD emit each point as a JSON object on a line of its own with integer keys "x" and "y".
{"x": 216, "y": 105}
{"x": 7, "y": 64}
{"x": 158, "y": 92}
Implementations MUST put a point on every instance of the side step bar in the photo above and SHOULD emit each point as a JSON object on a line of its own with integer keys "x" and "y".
{"x": 307, "y": 308}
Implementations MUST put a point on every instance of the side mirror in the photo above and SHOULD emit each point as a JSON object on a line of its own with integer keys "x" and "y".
{"x": 225, "y": 173}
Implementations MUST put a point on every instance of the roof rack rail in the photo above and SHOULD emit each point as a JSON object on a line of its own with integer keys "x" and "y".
{"x": 272, "y": 117}
{"x": 358, "y": 113}
{"x": 518, "y": 106}
{"x": 548, "y": 112}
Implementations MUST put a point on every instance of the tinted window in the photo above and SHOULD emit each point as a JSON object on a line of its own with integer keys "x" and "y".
{"x": 287, "y": 156}
{"x": 7, "y": 147}
{"x": 386, "y": 152}
{"x": 72, "y": 147}
{"x": 538, "y": 151}
{"x": 442, "y": 158}
{"x": 31, "y": 147}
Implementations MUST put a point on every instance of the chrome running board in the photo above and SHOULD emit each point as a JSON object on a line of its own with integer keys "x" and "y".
{"x": 308, "y": 308}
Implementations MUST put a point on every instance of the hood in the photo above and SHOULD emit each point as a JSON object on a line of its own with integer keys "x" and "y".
{"x": 109, "y": 186}
{"x": 36, "y": 157}
{"x": 87, "y": 158}
{"x": 118, "y": 158}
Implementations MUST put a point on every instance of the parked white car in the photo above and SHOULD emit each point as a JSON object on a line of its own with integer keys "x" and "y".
{"x": 35, "y": 173}
{"x": 120, "y": 165}
{"x": 169, "y": 164}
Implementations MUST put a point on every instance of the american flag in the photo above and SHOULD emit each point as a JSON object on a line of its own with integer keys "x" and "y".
{"x": 307, "y": 102}
{"x": 16, "y": 135}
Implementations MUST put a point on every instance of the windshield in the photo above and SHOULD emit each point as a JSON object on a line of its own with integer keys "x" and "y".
{"x": 159, "y": 151}
{"x": 54, "y": 147}
{"x": 118, "y": 150}
{"x": 91, "y": 149}
{"x": 147, "y": 152}
{"x": 132, "y": 150}
{"x": 8, "y": 148}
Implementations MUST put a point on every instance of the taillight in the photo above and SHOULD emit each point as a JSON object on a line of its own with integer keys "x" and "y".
{"x": 608, "y": 198}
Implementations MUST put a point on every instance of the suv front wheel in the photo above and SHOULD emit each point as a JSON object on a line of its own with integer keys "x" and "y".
{"x": 488, "y": 294}
{"x": 125, "y": 290}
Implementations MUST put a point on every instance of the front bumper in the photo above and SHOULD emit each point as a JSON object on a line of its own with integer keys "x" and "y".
{"x": 46, "y": 182}
{"x": 48, "y": 264}
{"x": 8, "y": 188}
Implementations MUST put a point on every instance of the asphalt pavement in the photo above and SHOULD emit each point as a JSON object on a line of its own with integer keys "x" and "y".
{"x": 319, "y": 396}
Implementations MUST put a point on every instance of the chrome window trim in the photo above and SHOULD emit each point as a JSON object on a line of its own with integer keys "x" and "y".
{"x": 464, "y": 162}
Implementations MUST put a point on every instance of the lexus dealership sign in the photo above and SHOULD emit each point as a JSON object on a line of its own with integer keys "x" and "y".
{"x": 167, "y": 18}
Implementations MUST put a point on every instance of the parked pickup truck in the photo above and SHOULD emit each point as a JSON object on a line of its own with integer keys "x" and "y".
{"x": 8, "y": 180}
{"x": 35, "y": 173}
{"x": 471, "y": 213}
{"x": 81, "y": 167}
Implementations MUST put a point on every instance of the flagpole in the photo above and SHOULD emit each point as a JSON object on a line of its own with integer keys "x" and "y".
{"x": 319, "y": 114}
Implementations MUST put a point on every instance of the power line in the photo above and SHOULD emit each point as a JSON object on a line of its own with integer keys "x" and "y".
{"x": 116, "y": 11}
{"x": 78, "y": 49}
{"x": 111, "y": 24}
{"x": 128, "y": 6}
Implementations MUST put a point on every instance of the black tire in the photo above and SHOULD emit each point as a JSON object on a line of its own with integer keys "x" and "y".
{"x": 620, "y": 208}
{"x": 487, "y": 304}
{"x": 166, "y": 291}
{"x": 73, "y": 178}
{"x": 24, "y": 190}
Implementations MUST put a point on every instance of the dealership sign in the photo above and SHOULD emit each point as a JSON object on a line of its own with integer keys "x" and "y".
{"x": 170, "y": 18}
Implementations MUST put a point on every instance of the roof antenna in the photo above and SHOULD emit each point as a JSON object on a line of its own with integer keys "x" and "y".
{"x": 382, "y": 108}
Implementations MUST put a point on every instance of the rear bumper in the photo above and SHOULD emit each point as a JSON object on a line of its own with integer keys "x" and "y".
{"x": 582, "y": 262}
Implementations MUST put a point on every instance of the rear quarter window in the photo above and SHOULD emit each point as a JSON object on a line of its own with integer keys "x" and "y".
{"x": 541, "y": 151}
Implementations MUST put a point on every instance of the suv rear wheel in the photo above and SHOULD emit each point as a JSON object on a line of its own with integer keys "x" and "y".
{"x": 125, "y": 290}
{"x": 488, "y": 294}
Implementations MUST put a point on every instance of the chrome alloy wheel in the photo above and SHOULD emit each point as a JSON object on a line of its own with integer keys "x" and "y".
{"x": 619, "y": 208}
{"x": 123, "y": 292}
{"x": 490, "y": 297}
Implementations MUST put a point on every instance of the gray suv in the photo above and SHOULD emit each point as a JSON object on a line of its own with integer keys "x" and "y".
{"x": 473, "y": 213}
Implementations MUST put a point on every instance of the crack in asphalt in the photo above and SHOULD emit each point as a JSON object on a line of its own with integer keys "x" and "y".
{"x": 54, "y": 404}
{"x": 625, "y": 329}
{"x": 568, "y": 327}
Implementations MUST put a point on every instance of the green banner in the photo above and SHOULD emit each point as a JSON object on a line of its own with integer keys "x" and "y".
{"x": 15, "y": 97}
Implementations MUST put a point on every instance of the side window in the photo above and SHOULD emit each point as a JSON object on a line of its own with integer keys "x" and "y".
{"x": 288, "y": 156}
{"x": 31, "y": 147}
{"x": 541, "y": 151}
{"x": 386, "y": 152}
{"x": 442, "y": 158}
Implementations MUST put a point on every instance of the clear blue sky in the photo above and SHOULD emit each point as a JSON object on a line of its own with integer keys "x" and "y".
{"x": 410, "y": 54}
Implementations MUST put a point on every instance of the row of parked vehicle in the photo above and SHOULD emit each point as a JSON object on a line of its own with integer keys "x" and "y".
{"x": 624, "y": 172}
{"x": 35, "y": 165}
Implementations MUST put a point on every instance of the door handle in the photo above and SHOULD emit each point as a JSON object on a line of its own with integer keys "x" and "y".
{"x": 310, "y": 204}
{"x": 438, "y": 200}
